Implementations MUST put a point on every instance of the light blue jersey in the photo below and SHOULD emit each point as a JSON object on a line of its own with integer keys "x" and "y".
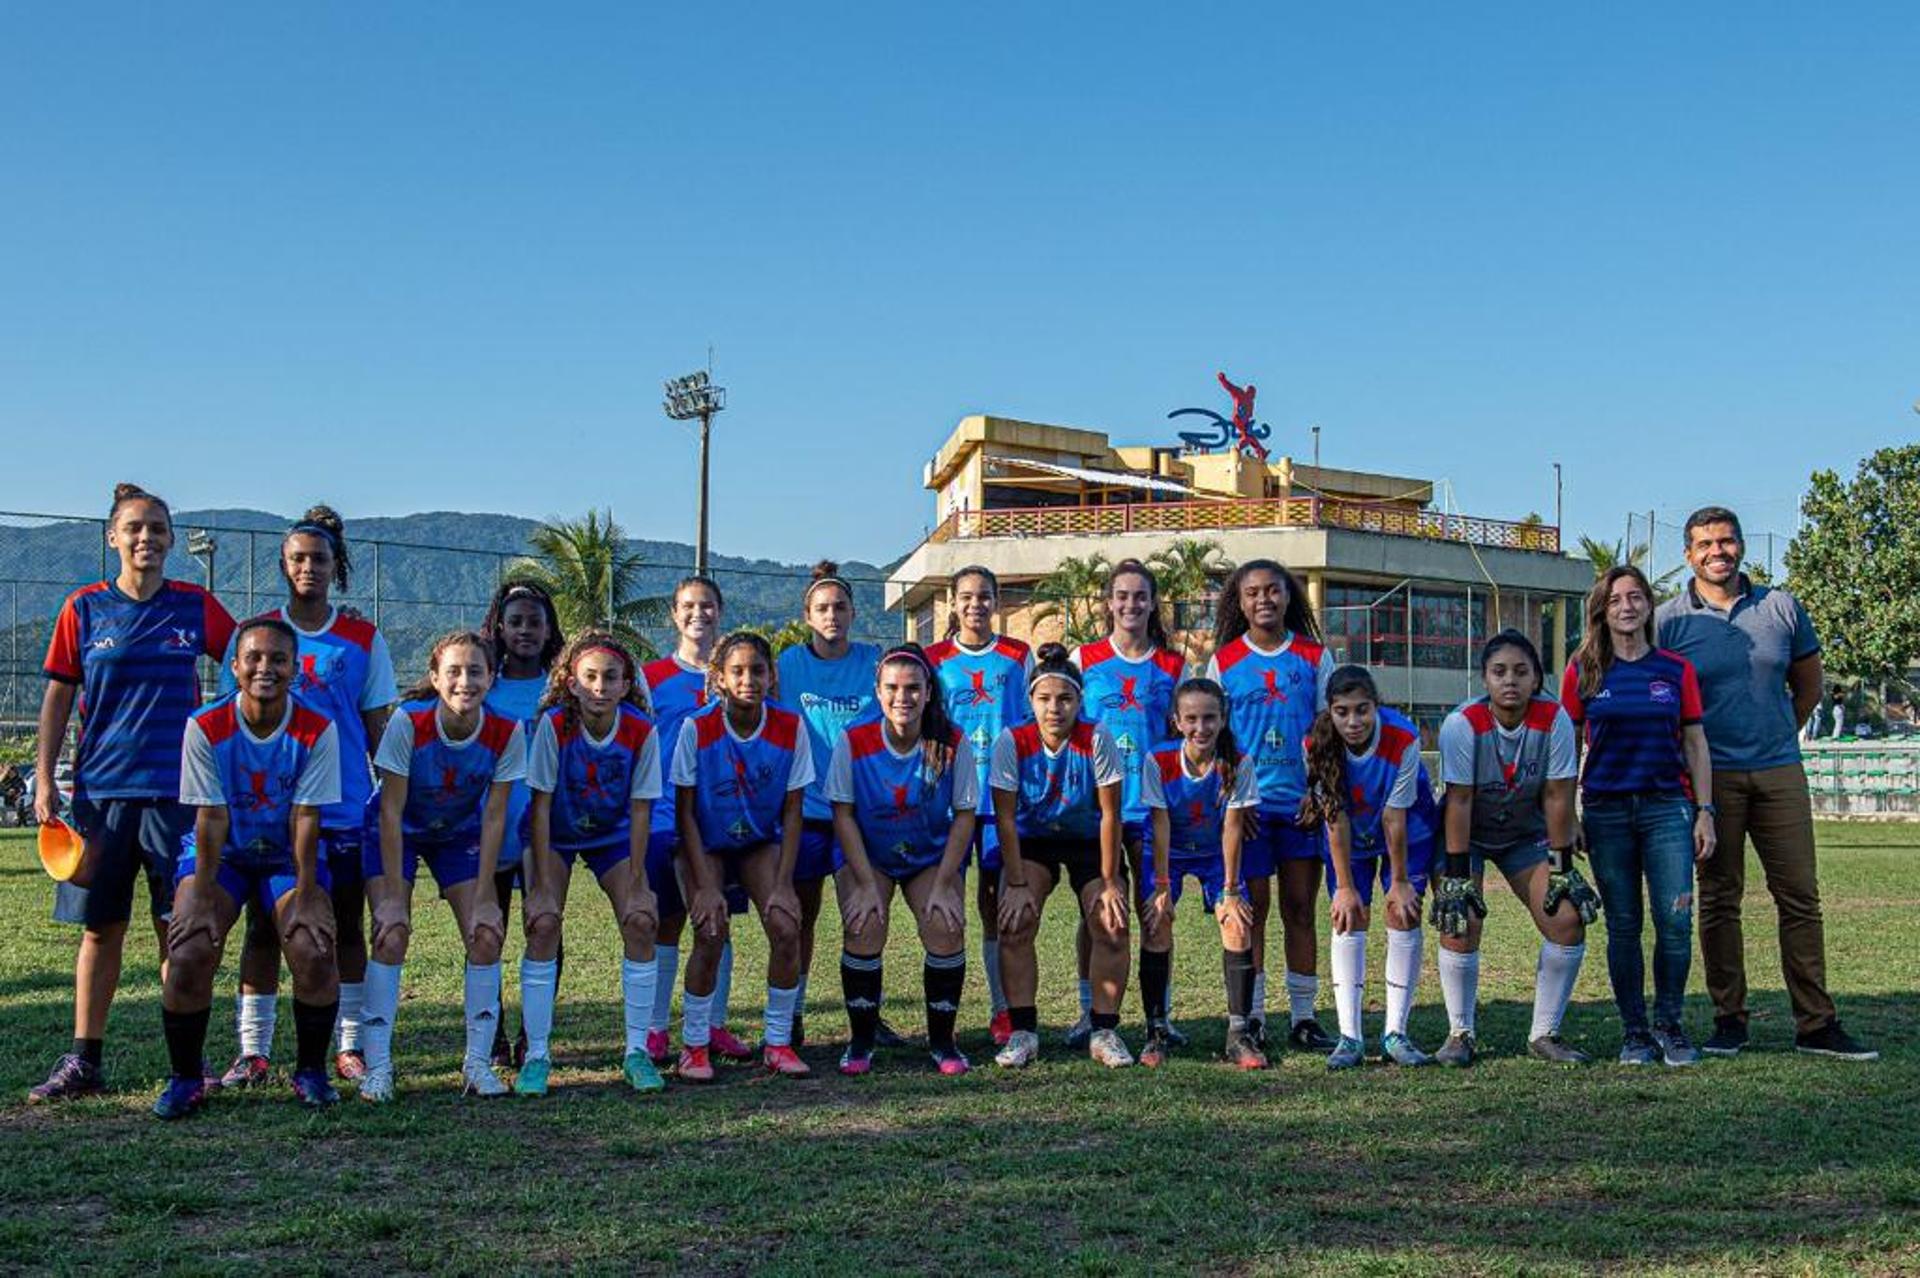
{"x": 830, "y": 696}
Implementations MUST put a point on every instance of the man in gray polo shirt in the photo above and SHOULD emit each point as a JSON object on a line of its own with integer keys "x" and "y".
{"x": 1758, "y": 661}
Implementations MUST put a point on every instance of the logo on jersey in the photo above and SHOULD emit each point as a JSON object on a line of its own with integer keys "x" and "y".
{"x": 979, "y": 694}
{"x": 105, "y": 643}
{"x": 901, "y": 808}
{"x": 1272, "y": 691}
{"x": 182, "y": 640}
{"x": 318, "y": 670}
{"x": 1126, "y": 698}
{"x": 262, "y": 793}
{"x": 1662, "y": 692}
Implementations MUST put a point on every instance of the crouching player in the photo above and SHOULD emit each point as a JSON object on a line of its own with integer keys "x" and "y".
{"x": 258, "y": 766}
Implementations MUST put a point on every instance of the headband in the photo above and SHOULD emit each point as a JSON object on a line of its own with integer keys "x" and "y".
{"x": 907, "y": 654}
{"x": 625, "y": 658}
{"x": 827, "y": 581}
{"x": 317, "y": 530}
{"x": 521, "y": 590}
{"x": 1054, "y": 672}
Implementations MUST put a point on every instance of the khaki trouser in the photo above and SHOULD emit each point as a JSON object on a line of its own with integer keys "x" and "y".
{"x": 1772, "y": 808}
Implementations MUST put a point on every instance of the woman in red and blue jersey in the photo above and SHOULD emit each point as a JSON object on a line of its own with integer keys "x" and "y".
{"x": 447, "y": 765}
{"x": 1199, "y": 789}
{"x": 344, "y": 671}
{"x": 1130, "y": 676}
{"x": 983, "y": 681}
{"x": 1056, "y": 798}
{"x": 260, "y": 768}
{"x": 1647, "y": 767}
{"x": 904, "y": 792}
{"x": 127, "y": 651}
{"x": 594, "y": 768}
{"x": 740, "y": 770}
{"x": 1269, "y": 658}
{"x": 1374, "y": 801}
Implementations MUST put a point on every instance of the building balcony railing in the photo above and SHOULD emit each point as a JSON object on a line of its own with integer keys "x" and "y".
{"x": 1271, "y": 512}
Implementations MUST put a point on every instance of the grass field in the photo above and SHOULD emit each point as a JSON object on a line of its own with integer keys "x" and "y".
{"x": 1770, "y": 1163}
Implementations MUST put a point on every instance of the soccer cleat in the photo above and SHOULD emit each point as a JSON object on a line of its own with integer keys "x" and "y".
{"x": 350, "y": 1066}
{"x": 72, "y": 1077}
{"x": 180, "y": 1097}
{"x": 950, "y": 1062}
{"x": 659, "y": 1046}
{"x": 1398, "y": 1049}
{"x": 246, "y": 1071}
{"x": 695, "y": 1066}
{"x": 1242, "y": 1053}
{"x": 1078, "y": 1033}
{"x": 1457, "y": 1051}
{"x": 313, "y": 1089}
{"x": 1307, "y": 1036}
{"x": 729, "y": 1048}
{"x": 479, "y": 1078}
{"x": 885, "y": 1035}
{"x": 1153, "y": 1052}
{"x": 1348, "y": 1053}
{"x": 641, "y": 1074}
{"x": 532, "y": 1078}
{"x": 1638, "y": 1048}
{"x": 782, "y": 1059}
{"x": 1001, "y": 1027}
{"x": 1106, "y": 1047}
{"x": 1729, "y": 1036}
{"x": 856, "y": 1060}
{"x": 1556, "y": 1051}
{"x": 376, "y": 1086}
{"x": 1676, "y": 1049}
{"x": 1022, "y": 1048}
{"x": 1831, "y": 1040}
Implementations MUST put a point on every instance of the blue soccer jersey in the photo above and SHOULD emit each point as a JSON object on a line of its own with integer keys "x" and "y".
{"x": 675, "y": 690}
{"x": 830, "y": 695}
{"x": 594, "y": 782}
{"x": 740, "y": 784}
{"x": 1134, "y": 698}
{"x": 1634, "y": 724}
{"x": 1057, "y": 792}
{"x": 259, "y": 780}
{"x": 985, "y": 690}
{"x": 448, "y": 781}
{"x": 904, "y": 814}
{"x": 1275, "y": 697}
{"x": 134, "y": 662}
{"x": 519, "y": 700}
{"x": 1389, "y": 774}
{"x": 1196, "y": 806}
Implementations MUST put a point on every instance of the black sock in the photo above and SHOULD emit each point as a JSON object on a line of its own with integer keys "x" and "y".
{"x": 1024, "y": 1018}
{"x": 1239, "y": 968}
{"x": 186, "y": 1040}
{"x": 1106, "y": 1020}
{"x": 90, "y": 1050}
{"x": 943, "y": 977}
{"x": 860, "y": 982}
{"x": 1156, "y": 970}
{"x": 313, "y": 1032}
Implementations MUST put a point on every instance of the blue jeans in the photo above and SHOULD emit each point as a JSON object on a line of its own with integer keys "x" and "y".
{"x": 1634, "y": 839}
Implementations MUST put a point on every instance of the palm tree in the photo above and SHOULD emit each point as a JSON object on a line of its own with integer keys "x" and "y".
{"x": 594, "y": 578}
{"x": 1187, "y": 570}
{"x": 1071, "y": 594}
{"x": 1606, "y": 556}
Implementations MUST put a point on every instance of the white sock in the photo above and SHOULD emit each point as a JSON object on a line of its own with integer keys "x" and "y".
{"x": 990, "y": 963}
{"x": 722, "y": 988}
{"x": 353, "y": 997}
{"x": 637, "y": 982}
{"x": 1460, "y": 987}
{"x": 538, "y": 979}
{"x": 1258, "y": 1009}
{"x": 256, "y": 1017}
{"x": 1403, "y": 975}
{"x": 1086, "y": 997}
{"x": 1303, "y": 991}
{"x": 377, "y": 1013}
{"x": 780, "y": 1014}
{"x": 1553, "y": 985}
{"x": 483, "y": 1006}
{"x": 696, "y": 1011}
{"x": 668, "y": 958}
{"x": 1349, "y": 980}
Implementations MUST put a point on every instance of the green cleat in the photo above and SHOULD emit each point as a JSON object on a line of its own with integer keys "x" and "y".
{"x": 639, "y": 1071}
{"x": 532, "y": 1079}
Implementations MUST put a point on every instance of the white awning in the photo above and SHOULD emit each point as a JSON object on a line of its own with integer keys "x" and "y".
{"x": 1102, "y": 478}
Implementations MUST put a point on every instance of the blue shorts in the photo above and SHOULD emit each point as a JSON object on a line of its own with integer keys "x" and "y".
{"x": 663, "y": 878}
{"x": 1279, "y": 840}
{"x": 600, "y": 859}
{"x": 820, "y": 854}
{"x": 451, "y": 863}
{"x": 1420, "y": 859}
{"x": 262, "y": 884}
{"x": 986, "y": 846}
{"x": 126, "y": 836}
{"x": 340, "y": 852}
{"x": 1514, "y": 860}
{"x": 1211, "y": 871}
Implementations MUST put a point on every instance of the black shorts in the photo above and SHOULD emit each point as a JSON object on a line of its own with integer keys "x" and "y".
{"x": 126, "y": 836}
{"x": 1076, "y": 860}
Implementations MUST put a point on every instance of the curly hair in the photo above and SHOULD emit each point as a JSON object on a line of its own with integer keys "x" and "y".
{"x": 1327, "y": 751}
{"x": 1229, "y": 622}
{"x": 752, "y": 639}
{"x": 971, "y": 570}
{"x": 510, "y": 591}
{"x": 559, "y": 691}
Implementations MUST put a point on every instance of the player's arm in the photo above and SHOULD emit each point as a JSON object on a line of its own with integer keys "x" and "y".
{"x": 56, "y": 708}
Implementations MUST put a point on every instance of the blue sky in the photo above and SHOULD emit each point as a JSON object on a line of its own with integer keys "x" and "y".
{"x": 439, "y": 256}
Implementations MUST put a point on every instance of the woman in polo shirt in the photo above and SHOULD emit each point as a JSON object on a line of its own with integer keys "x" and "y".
{"x": 1638, "y": 708}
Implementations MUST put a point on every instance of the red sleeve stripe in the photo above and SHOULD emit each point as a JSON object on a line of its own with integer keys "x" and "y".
{"x": 865, "y": 740}
{"x": 782, "y": 728}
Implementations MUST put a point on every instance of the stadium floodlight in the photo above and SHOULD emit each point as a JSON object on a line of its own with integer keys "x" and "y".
{"x": 695, "y": 398}
{"x": 202, "y": 545}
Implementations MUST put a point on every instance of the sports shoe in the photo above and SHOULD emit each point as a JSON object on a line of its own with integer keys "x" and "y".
{"x": 950, "y": 1062}
{"x": 1307, "y": 1036}
{"x": 695, "y": 1066}
{"x": 885, "y": 1035}
{"x": 246, "y": 1071}
{"x": 1242, "y": 1053}
{"x": 1831, "y": 1040}
{"x": 1022, "y": 1048}
{"x": 350, "y": 1066}
{"x": 376, "y": 1086}
{"x": 641, "y": 1074}
{"x": 1257, "y": 1032}
{"x": 1457, "y": 1051}
{"x": 180, "y": 1097}
{"x": 1348, "y": 1053}
{"x": 1153, "y": 1052}
{"x": 784, "y": 1060}
{"x": 72, "y": 1077}
{"x": 1106, "y": 1047}
{"x": 1398, "y": 1049}
{"x": 1556, "y": 1051}
{"x": 313, "y": 1089}
{"x": 659, "y": 1046}
{"x": 856, "y": 1060}
{"x": 1001, "y": 1027}
{"x": 532, "y": 1078}
{"x": 1729, "y": 1036}
{"x": 1676, "y": 1049}
{"x": 1174, "y": 1036}
{"x": 479, "y": 1078}
{"x": 1079, "y": 1032}
{"x": 1638, "y": 1048}
{"x": 729, "y": 1048}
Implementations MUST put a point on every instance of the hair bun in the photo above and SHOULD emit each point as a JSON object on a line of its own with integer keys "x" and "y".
{"x": 327, "y": 517}
{"x": 1051, "y": 654}
{"x": 128, "y": 492}
{"x": 824, "y": 569}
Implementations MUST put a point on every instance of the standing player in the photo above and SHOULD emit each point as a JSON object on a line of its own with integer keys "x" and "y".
{"x": 983, "y": 679}
{"x": 902, "y": 789}
{"x": 1130, "y": 676}
{"x": 128, "y": 649}
{"x": 1268, "y": 656}
{"x": 1056, "y": 798}
{"x": 260, "y": 768}
{"x": 1508, "y": 762}
{"x": 1372, "y": 797}
{"x": 447, "y": 764}
{"x": 344, "y": 671}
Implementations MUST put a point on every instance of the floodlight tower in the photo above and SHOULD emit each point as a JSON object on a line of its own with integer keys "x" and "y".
{"x": 696, "y": 397}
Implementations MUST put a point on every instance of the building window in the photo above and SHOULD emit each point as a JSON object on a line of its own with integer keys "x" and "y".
{"x": 1443, "y": 628}
{"x": 922, "y": 625}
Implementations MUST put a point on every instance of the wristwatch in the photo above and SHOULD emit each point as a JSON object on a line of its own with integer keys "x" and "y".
{"x": 1707, "y": 808}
